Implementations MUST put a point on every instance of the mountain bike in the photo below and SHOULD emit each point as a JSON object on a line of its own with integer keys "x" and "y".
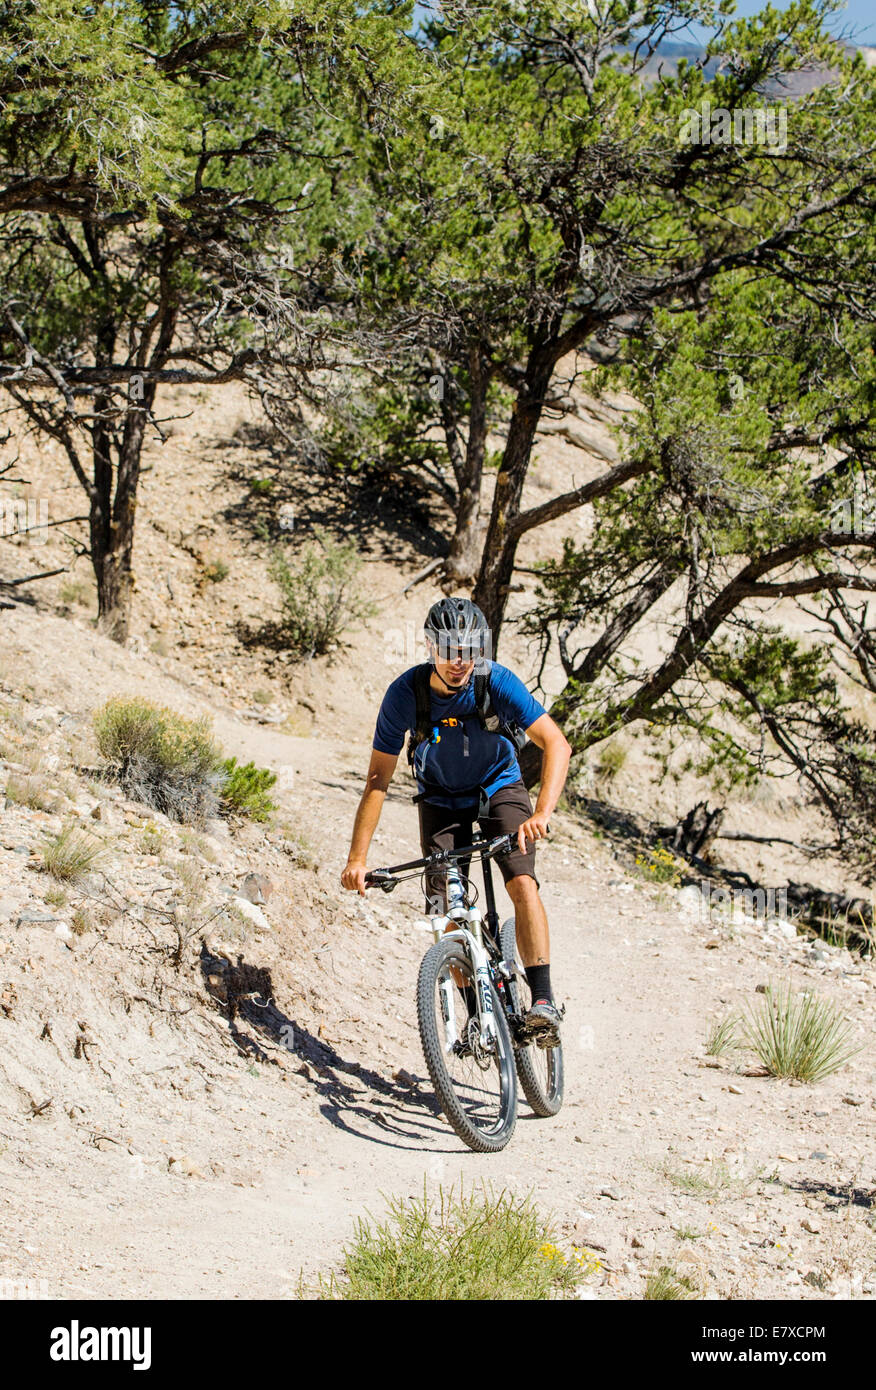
{"x": 472, "y": 998}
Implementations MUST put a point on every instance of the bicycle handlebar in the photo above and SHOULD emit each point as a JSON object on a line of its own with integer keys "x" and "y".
{"x": 485, "y": 849}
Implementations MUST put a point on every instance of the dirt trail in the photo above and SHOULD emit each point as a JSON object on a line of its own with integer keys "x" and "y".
{"x": 757, "y": 1187}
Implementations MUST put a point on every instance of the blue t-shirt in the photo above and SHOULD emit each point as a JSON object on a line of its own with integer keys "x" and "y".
{"x": 465, "y": 756}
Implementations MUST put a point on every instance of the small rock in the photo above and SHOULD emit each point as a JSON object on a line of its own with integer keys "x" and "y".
{"x": 735, "y": 1090}
{"x": 820, "y": 1155}
{"x": 713, "y": 944}
{"x": 252, "y": 913}
{"x": 636, "y": 1243}
{"x": 97, "y": 812}
{"x": 762, "y": 989}
{"x": 809, "y": 1225}
{"x": 788, "y": 1158}
{"x": 853, "y": 1100}
{"x": 405, "y": 1079}
{"x": 36, "y": 919}
{"x": 257, "y": 888}
{"x": 610, "y": 1192}
{"x": 63, "y": 931}
{"x": 185, "y": 1167}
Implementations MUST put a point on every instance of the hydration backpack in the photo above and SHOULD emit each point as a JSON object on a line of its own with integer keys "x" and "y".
{"x": 485, "y": 713}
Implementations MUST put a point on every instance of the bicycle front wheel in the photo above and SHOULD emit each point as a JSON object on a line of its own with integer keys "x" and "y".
{"x": 473, "y": 1076}
{"x": 540, "y": 1069}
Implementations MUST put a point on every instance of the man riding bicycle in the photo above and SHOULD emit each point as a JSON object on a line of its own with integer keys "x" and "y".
{"x": 466, "y": 717}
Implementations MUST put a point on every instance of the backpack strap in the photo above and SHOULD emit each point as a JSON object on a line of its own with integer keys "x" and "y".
{"x": 423, "y": 718}
{"x": 488, "y": 715}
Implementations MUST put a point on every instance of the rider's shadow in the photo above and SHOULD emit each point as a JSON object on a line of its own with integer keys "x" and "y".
{"x": 245, "y": 994}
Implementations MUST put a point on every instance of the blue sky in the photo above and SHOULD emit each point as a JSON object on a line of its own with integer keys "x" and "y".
{"x": 858, "y": 18}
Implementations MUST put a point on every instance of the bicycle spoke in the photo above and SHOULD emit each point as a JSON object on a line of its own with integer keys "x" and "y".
{"x": 472, "y": 1066}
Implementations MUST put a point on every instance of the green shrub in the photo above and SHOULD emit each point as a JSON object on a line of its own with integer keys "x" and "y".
{"x": 798, "y": 1035}
{"x": 318, "y": 595}
{"x": 667, "y": 1283}
{"x": 659, "y": 867}
{"x": 216, "y": 570}
{"x": 69, "y": 855}
{"x": 612, "y": 757}
{"x": 161, "y": 758}
{"x": 480, "y": 1247}
{"x": 245, "y": 790}
{"x": 724, "y": 1037}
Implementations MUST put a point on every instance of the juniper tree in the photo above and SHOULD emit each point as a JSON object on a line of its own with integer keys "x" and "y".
{"x": 169, "y": 185}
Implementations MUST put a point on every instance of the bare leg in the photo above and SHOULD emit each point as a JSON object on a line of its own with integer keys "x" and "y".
{"x": 530, "y": 920}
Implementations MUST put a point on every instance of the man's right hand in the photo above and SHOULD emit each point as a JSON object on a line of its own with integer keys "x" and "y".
{"x": 353, "y": 877}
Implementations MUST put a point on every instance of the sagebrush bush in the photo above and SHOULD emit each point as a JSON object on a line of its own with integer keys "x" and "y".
{"x": 172, "y": 763}
{"x": 161, "y": 758}
{"x": 318, "y": 595}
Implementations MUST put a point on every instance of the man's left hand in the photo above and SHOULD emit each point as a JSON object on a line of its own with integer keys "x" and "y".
{"x": 535, "y": 828}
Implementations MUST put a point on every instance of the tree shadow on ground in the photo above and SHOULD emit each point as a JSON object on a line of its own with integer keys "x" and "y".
{"x": 823, "y": 912}
{"x": 355, "y": 1098}
{"x": 389, "y": 514}
{"x": 837, "y": 1196}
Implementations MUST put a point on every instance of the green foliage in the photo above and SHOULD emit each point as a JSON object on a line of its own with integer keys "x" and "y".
{"x": 172, "y": 763}
{"x": 665, "y": 1283}
{"x": 245, "y": 790}
{"x": 724, "y": 1037}
{"x": 458, "y": 1248}
{"x": 799, "y": 1035}
{"x": 659, "y": 866}
{"x": 319, "y": 595}
{"x": 161, "y": 758}
{"x": 70, "y": 855}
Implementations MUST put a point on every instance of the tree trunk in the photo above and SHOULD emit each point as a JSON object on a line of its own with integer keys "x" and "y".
{"x": 112, "y": 526}
{"x": 693, "y": 835}
{"x": 464, "y": 556}
{"x": 500, "y": 548}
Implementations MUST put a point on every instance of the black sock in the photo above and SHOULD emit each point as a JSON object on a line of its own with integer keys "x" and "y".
{"x": 539, "y": 977}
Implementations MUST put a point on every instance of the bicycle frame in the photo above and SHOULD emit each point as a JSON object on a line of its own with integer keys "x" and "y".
{"x": 466, "y": 926}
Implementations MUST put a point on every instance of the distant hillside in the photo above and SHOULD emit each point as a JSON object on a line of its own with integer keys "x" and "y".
{"x": 796, "y": 84}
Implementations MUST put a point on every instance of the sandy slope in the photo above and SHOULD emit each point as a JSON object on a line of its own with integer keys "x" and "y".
{"x": 291, "y": 1143}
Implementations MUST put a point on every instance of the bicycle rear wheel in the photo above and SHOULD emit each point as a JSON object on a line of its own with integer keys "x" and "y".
{"x": 540, "y": 1068}
{"x": 474, "y": 1081}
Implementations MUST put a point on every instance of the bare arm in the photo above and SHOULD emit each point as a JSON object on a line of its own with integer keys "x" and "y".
{"x": 380, "y": 771}
{"x": 555, "y": 764}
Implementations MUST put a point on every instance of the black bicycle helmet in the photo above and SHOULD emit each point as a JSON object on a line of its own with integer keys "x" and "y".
{"x": 457, "y": 623}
